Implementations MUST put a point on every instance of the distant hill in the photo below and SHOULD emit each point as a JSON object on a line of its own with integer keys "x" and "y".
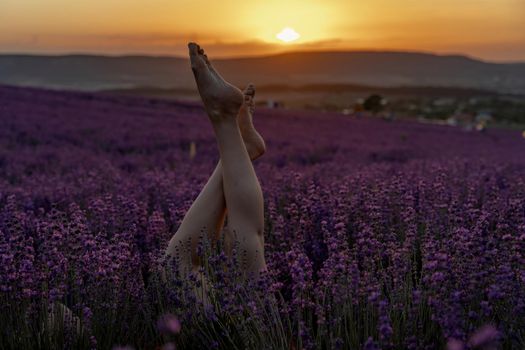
{"x": 386, "y": 69}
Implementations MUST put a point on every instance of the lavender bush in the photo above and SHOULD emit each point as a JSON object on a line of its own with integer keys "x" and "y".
{"x": 378, "y": 235}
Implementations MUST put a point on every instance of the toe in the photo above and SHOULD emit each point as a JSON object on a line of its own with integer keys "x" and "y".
{"x": 197, "y": 60}
{"x": 250, "y": 90}
{"x": 194, "y": 48}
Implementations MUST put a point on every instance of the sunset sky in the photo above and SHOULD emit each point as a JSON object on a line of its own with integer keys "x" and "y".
{"x": 489, "y": 29}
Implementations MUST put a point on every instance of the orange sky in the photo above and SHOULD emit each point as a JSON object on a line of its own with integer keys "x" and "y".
{"x": 488, "y": 29}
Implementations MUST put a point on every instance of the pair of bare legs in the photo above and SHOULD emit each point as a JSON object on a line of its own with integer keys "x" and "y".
{"x": 233, "y": 188}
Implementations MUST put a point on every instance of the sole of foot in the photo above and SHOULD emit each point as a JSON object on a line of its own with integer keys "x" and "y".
{"x": 221, "y": 99}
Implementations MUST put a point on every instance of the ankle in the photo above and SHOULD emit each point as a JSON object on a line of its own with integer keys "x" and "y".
{"x": 225, "y": 124}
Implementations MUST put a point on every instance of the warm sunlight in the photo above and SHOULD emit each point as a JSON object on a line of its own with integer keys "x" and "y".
{"x": 488, "y": 29}
{"x": 275, "y": 174}
{"x": 288, "y": 35}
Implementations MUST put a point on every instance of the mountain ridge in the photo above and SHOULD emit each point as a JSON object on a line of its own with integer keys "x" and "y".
{"x": 381, "y": 68}
{"x": 284, "y": 53}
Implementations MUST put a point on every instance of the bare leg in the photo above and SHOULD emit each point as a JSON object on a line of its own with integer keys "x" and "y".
{"x": 206, "y": 215}
{"x": 242, "y": 191}
{"x": 204, "y": 218}
{"x": 243, "y": 196}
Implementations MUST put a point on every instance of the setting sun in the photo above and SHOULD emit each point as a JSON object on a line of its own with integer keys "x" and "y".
{"x": 288, "y": 35}
{"x": 488, "y": 29}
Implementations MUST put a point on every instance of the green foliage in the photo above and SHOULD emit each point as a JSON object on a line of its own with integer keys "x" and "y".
{"x": 373, "y": 103}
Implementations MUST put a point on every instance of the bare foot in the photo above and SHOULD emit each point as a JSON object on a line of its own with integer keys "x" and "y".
{"x": 252, "y": 139}
{"x": 221, "y": 99}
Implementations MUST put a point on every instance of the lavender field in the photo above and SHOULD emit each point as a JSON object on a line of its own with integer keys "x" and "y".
{"x": 379, "y": 235}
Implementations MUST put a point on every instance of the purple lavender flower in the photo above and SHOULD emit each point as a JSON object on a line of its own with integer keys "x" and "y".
{"x": 169, "y": 324}
{"x": 484, "y": 336}
{"x": 407, "y": 233}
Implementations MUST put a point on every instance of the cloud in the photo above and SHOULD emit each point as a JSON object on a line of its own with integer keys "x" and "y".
{"x": 174, "y": 44}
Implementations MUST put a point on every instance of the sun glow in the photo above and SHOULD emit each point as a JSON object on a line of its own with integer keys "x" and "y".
{"x": 288, "y": 35}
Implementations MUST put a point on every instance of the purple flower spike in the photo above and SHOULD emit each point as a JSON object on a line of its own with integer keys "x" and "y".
{"x": 169, "y": 346}
{"x": 455, "y": 344}
{"x": 169, "y": 324}
{"x": 486, "y": 335}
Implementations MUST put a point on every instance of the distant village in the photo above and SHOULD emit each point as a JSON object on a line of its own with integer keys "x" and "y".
{"x": 469, "y": 113}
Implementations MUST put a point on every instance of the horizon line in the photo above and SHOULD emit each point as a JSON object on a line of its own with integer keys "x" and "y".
{"x": 264, "y": 55}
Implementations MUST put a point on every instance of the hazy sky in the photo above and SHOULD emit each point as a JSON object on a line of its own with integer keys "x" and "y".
{"x": 488, "y": 29}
